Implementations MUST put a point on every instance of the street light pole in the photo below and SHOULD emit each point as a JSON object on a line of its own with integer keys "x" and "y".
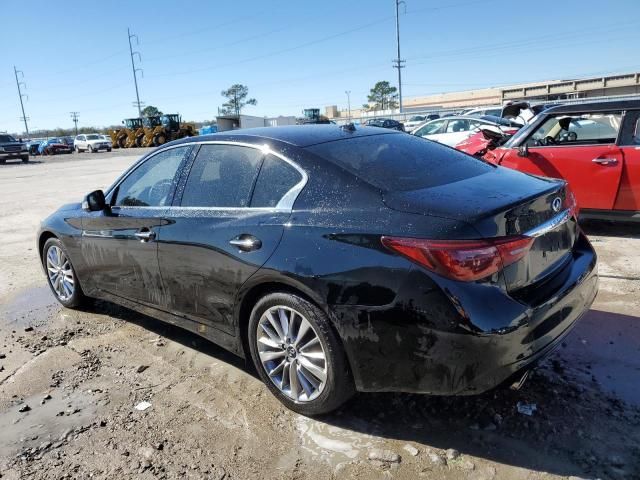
{"x": 348, "y": 92}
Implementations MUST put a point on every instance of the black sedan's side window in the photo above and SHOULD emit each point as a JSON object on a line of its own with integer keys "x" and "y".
{"x": 222, "y": 176}
{"x": 150, "y": 184}
{"x": 276, "y": 178}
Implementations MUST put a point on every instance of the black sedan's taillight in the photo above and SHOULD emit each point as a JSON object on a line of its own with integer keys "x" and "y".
{"x": 463, "y": 260}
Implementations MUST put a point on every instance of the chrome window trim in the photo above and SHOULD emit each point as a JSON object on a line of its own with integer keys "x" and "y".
{"x": 284, "y": 204}
{"x": 551, "y": 224}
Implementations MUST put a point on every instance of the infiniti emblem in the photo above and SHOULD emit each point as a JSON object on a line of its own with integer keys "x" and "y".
{"x": 556, "y": 204}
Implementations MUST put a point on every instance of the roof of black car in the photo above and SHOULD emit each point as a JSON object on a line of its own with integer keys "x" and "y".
{"x": 604, "y": 106}
{"x": 298, "y": 135}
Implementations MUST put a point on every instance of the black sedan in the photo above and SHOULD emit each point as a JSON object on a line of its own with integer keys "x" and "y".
{"x": 339, "y": 259}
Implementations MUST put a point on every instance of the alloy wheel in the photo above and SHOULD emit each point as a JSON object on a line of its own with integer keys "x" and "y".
{"x": 60, "y": 273}
{"x": 291, "y": 353}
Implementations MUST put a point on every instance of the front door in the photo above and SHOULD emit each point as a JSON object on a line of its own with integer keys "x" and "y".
{"x": 629, "y": 191}
{"x": 580, "y": 149}
{"x": 222, "y": 229}
{"x": 119, "y": 246}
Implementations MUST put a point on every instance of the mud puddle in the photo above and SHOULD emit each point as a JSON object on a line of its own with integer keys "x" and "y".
{"x": 47, "y": 421}
{"x": 30, "y": 307}
{"x": 331, "y": 444}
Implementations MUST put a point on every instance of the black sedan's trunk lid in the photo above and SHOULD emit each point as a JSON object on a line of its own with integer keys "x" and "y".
{"x": 504, "y": 203}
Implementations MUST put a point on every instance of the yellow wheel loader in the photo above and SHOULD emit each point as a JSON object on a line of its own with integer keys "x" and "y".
{"x": 152, "y": 128}
{"x": 126, "y": 137}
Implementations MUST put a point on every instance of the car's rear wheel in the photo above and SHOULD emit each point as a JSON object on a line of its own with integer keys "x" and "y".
{"x": 61, "y": 276}
{"x": 298, "y": 355}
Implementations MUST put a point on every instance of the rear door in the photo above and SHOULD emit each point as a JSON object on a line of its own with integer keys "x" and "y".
{"x": 430, "y": 129}
{"x": 119, "y": 247}
{"x": 225, "y": 223}
{"x": 455, "y": 131}
{"x": 580, "y": 148}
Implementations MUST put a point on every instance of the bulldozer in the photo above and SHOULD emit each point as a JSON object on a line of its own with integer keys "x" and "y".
{"x": 126, "y": 137}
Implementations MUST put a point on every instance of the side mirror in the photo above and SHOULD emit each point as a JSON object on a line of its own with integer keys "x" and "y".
{"x": 94, "y": 201}
{"x": 523, "y": 150}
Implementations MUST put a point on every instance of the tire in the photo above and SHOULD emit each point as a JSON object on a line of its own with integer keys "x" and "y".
{"x": 60, "y": 289}
{"x": 305, "y": 398}
{"x": 90, "y": 148}
{"x": 25, "y": 159}
{"x": 3, "y": 161}
{"x": 159, "y": 139}
{"x": 108, "y": 149}
{"x": 77, "y": 149}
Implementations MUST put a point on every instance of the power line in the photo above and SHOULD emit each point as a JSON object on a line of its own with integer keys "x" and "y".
{"x": 278, "y": 52}
{"x": 74, "y": 117}
{"x": 20, "y": 95}
{"x": 135, "y": 70}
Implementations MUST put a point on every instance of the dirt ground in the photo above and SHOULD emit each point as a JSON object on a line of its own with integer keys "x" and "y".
{"x": 70, "y": 382}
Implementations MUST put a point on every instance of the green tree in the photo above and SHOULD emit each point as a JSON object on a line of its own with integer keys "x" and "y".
{"x": 236, "y": 99}
{"x": 382, "y": 96}
{"x": 151, "y": 111}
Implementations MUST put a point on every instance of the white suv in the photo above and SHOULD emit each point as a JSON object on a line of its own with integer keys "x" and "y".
{"x": 91, "y": 142}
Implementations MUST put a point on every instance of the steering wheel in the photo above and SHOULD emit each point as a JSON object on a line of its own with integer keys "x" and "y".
{"x": 549, "y": 140}
{"x": 570, "y": 137}
{"x": 158, "y": 192}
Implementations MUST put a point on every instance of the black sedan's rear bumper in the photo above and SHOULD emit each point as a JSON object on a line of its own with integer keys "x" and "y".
{"x": 482, "y": 338}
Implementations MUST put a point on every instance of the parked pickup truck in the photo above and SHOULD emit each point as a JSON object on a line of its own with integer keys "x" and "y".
{"x": 11, "y": 148}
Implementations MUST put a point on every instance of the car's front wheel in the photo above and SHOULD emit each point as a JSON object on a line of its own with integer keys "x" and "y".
{"x": 61, "y": 276}
{"x": 298, "y": 355}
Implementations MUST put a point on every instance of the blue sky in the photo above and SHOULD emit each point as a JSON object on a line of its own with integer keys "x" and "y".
{"x": 292, "y": 53}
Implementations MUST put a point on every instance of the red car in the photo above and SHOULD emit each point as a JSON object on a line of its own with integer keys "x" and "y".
{"x": 594, "y": 146}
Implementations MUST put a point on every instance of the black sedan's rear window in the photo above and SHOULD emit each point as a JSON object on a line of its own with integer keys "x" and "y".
{"x": 400, "y": 162}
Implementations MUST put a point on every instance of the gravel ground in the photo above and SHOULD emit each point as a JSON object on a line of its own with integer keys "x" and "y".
{"x": 70, "y": 382}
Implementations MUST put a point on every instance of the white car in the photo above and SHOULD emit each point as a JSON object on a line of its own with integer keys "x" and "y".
{"x": 453, "y": 130}
{"x": 495, "y": 110}
{"x": 91, "y": 142}
{"x": 414, "y": 121}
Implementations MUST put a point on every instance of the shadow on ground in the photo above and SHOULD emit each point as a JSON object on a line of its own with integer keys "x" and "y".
{"x": 577, "y": 429}
{"x": 611, "y": 229}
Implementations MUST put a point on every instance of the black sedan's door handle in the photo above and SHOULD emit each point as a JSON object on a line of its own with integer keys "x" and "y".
{"x": 145, "y": 235}
{"x": 246, "y": 243}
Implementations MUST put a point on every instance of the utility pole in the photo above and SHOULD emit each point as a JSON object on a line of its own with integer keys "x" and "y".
{"x": 348, "y": 92}
{"x": 399, "y": 63}
{"x": 135, "y": 70}
{"x": 74, "y": 117}
{"x": 20, "y": 95}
